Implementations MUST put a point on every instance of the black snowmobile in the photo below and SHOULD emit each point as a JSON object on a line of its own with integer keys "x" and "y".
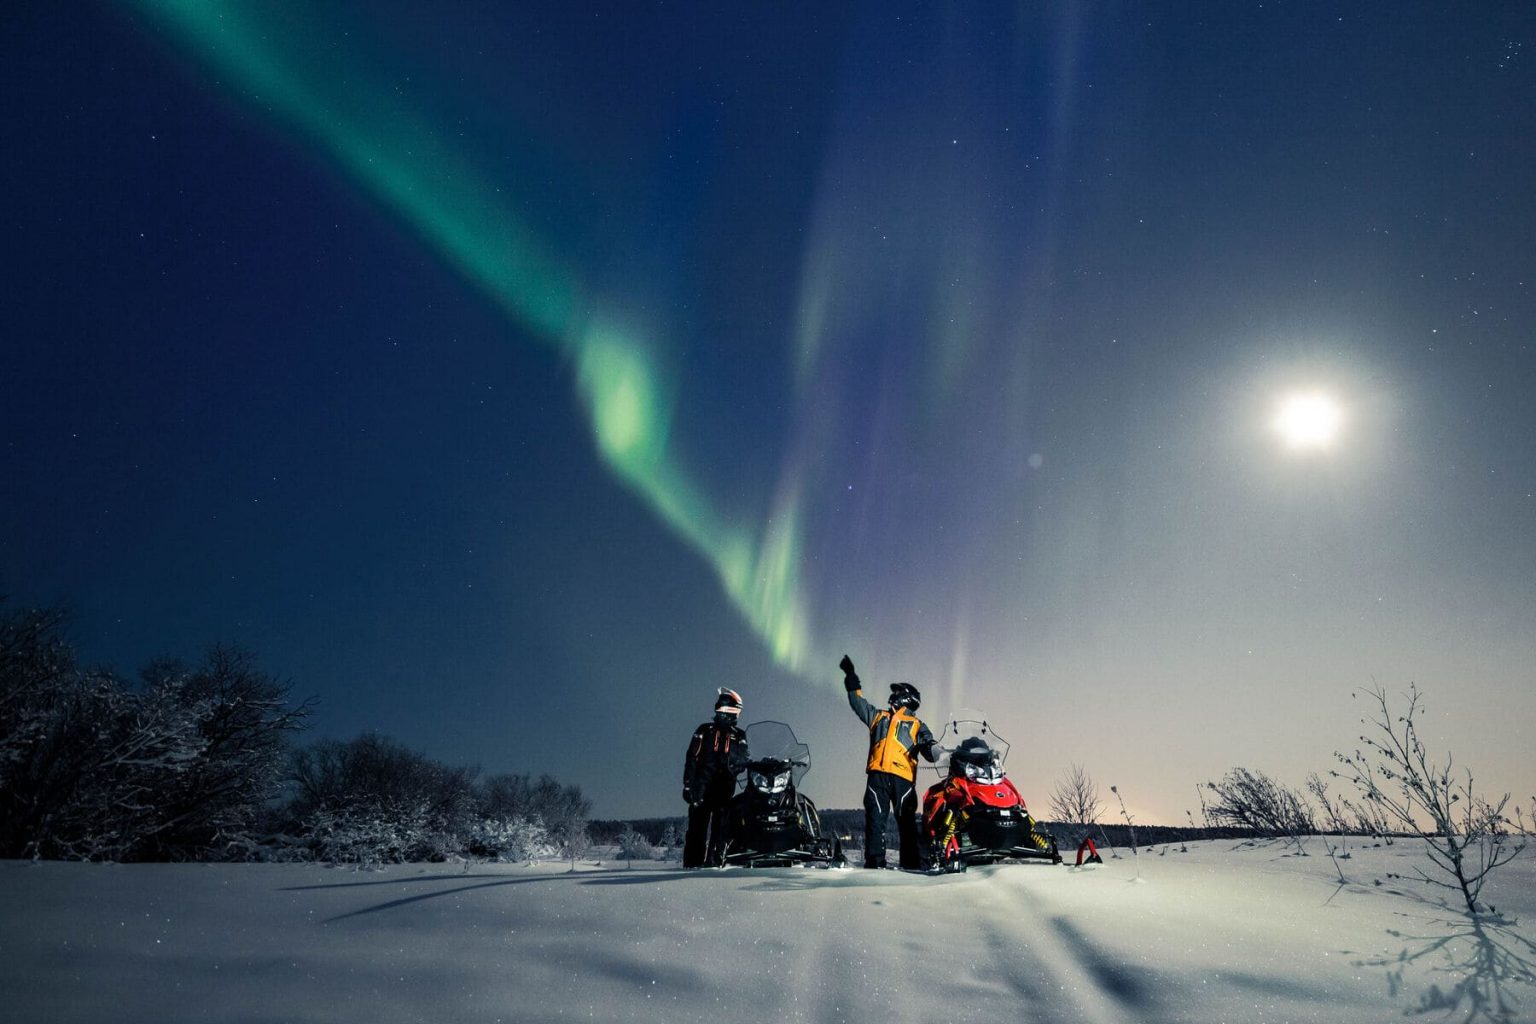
{"x": 973, "y": 814}
{"x": 771, "y": 823}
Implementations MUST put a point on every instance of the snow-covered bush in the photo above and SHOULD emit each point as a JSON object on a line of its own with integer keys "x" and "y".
{"x": 178, "y": 767}
{"x": 633, "y": 846}
{"x": 375, "y": 771}
{"x": 543, "y": 799}
{"x": 511, "y": 839}
{"x": 372, "y": 800}
{"x": 562, "y": 811}
{"x": 411, "y": 807}
{"x": 188, "y": 763}
{"x": 1250, "y": 799}
{"x": 1467, "y": 836}
{"x": 367, "y": 836}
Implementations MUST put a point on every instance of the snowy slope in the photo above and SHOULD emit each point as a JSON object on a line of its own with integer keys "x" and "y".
{"x": 1215, "y": 934}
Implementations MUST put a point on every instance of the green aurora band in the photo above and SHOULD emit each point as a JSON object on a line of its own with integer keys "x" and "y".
{"x": 273, "y": 63}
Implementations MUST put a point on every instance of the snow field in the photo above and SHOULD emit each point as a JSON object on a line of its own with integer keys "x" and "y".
{"x": 1219, "y": 933}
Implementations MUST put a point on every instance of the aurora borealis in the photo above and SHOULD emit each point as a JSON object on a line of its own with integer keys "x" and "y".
{"x": 396, "y": 153}
{"x": 503, "y": 375}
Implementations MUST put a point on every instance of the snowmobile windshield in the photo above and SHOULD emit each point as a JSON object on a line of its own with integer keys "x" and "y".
{"x": 970, "y": 724}
{"x": 775, "y": 741}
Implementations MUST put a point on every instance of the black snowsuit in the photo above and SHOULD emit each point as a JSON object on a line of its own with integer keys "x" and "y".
{"x": 716, "y": 755}
{"x": 884, "y": 792}
{"x": 896, "y": 737}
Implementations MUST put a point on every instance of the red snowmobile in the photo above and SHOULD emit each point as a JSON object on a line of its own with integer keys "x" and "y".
{"x": 974, "y": 815}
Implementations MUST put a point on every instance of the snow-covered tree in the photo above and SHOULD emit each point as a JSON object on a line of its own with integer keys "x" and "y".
{"x": 669, "y": 842}
{"x": 91, "y": 767}
{"x": 570, "y": 835}
{"x": 243, "y": 722}
{"x": 633, "y": 846}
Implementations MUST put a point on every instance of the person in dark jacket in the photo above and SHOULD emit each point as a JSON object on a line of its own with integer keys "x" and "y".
{"x": 896, "y": 737}
{"x": 716, "y": 755}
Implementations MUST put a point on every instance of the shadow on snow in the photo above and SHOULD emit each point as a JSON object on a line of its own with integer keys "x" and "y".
{"x": 1484, "y": 960}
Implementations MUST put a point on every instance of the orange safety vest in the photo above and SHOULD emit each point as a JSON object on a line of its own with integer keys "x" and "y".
{"x": 893, "y": 743}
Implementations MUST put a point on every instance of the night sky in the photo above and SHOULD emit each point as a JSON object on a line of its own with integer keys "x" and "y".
{"x": 510, "y": 376}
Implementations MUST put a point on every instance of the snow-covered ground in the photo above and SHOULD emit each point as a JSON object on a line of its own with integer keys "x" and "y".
{"x": 1219, "y": 933}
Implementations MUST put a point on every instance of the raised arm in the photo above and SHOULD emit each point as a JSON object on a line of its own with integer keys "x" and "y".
{"x": 861, "y": 707}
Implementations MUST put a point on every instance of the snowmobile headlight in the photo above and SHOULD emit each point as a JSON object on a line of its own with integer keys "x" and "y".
{"x": 972, "y": 771}
{"x": 989, "y": 774}
{"x": 766, "y": 783}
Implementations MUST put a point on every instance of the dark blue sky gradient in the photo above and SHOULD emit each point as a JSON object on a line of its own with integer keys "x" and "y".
{"x": 1000, "y": 297}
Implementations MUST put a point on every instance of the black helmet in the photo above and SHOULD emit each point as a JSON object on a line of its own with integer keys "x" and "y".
{"x": 905, "y": 695}
{"x": 973, "y": 759}
{"x": 974, "y": 750}
{"x": 728, "y": 702}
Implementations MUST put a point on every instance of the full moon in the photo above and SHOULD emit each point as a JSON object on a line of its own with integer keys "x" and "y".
{"x": 1308, "y": 421}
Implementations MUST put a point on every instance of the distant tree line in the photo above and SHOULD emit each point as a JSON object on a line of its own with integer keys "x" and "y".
{"x": 198, "y": 762}
{"x": 1400, "y": 790}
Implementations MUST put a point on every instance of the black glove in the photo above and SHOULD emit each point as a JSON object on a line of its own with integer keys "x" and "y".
{"x": 850, "y": 677}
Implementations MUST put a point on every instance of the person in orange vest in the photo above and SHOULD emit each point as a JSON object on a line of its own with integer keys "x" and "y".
{"x": 716, "y": 755}
{"x": 896, "y": 737}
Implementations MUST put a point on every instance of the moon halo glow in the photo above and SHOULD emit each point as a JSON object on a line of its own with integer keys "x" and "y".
{"x": 1308, "y": 421}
